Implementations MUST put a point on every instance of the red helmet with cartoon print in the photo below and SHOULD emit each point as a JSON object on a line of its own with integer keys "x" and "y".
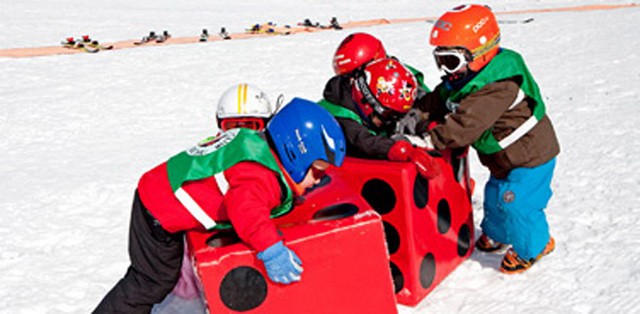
{"x": 472, "y": 27}
{"x": 384, "y": 88}
{"x": 355, "y": 51}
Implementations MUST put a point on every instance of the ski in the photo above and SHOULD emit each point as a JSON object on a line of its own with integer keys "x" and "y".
{"x": 514, "y": 21}
{"x": 71, "y": 43}
{"x": 87, "y": 41}
{"x": 524, "y": 21}
{"x": 269, "y": 28}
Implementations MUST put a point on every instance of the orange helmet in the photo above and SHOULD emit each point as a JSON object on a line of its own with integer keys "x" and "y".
{"x": 471, "y": 26}
{"x": 355, "y": 51}
{"x": 384, "y": 88}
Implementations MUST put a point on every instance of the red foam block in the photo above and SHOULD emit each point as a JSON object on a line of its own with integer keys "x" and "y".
{"x": 345, "y": 264}
{"x": 428, "y": 223}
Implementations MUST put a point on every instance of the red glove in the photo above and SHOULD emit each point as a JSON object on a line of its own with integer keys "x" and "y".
{"x": 404, "y": 151}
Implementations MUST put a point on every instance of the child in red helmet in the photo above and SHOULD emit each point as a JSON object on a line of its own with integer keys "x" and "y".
{"x": 489, "y": 99}
{"x": 368, "y": 104}
{"x": 359, "y": 49}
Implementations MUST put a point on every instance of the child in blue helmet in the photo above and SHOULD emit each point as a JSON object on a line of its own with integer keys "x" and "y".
{"x": 241, "y": 177}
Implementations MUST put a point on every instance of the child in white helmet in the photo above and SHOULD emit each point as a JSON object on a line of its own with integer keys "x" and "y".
{"x": 242, "y": 179}
{"x": 240, "y": 106}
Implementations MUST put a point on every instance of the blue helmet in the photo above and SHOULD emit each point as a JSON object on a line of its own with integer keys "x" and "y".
{"x": 303, "y": 132}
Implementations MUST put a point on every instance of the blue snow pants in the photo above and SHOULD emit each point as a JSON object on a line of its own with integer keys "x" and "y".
{"x": 514, "y": 209}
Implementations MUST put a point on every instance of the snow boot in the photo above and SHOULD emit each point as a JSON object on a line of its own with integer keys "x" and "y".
{"x": 514, "y": 264}
{"x": 487, "y": 245}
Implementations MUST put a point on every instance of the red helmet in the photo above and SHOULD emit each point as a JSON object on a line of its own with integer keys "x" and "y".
{"x": 355, "y": 51}
{"x": 384, "y": 88}
{"x": 472, "y": 27}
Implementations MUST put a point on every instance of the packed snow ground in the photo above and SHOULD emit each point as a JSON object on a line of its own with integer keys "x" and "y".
{"x": 77, "y": 131}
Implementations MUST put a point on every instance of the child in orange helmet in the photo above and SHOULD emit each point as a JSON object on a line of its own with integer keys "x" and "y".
{"x": 489, "y": 99}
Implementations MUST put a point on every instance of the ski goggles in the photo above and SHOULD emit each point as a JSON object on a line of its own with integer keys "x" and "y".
{"x": 386, "y": 114}
{"x": 247, "y": 123}
{"x": 319, "y": 169}
{"x": 451, "y": 60}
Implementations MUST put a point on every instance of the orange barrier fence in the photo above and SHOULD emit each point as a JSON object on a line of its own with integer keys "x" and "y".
{"x": 56, "y": 50}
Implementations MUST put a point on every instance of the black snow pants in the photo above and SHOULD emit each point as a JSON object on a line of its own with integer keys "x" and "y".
{"x": 156, "y": 258}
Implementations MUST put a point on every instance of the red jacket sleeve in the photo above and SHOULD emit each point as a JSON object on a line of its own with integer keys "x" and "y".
{"x": 253, "y": 192}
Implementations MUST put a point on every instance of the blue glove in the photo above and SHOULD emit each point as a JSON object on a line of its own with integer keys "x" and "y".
{"x": 282, "y": 264}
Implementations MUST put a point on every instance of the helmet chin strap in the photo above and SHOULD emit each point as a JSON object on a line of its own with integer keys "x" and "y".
{"x": 457, "y": 80}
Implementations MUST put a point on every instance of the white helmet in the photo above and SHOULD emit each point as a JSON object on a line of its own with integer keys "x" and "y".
{"x": 244, "y": 101}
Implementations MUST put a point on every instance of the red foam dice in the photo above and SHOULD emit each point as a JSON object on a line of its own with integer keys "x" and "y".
{"x": 428, "y": 223}
{"x": 345, "y": 265}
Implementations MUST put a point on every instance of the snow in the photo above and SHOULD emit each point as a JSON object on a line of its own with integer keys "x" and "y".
{"x": 79, "y": 130}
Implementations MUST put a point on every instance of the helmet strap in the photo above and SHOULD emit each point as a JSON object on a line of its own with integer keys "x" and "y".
{"x": 368, "y": 97}
{"x": 458, "y": 80}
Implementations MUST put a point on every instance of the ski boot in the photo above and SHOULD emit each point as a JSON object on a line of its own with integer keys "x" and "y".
{"x": 224, "y": 34}
{"x": 162, "y": 38}
{"x": 487, "y": 245}
{"x": 205, "y": 35}
{"x": 334, "y": 23}
{"x": 514, "y": 264}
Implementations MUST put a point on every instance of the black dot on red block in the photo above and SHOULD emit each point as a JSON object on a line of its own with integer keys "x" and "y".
{"x": 421, "y": 192}
{"x": 444, "y": 216}
{"x": 392, "y": 236}
{"x": 427, "y": 271}
{"x": 223, "y": 238}
{"x": 398, "y": 278}
{"x": 464, "y": 240}
{"x": 243, "y": 289}
{"x": 379, "y": 195}
{"x": 336, "y": 211}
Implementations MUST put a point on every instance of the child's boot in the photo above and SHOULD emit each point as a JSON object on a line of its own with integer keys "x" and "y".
{"x": 486, "y": 244}
{"x": 514, "y": 264}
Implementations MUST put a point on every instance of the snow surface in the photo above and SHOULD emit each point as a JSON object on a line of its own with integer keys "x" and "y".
{"x": 77, "y": 131}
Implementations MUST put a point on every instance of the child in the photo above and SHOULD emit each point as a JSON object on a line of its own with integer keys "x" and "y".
{"x": 359, "y": 49}
{"x": 368, "y": 105}
{"x": 489, "y": 99}
{"x": 242, "y": 177}
{"x": 241, "y": 105}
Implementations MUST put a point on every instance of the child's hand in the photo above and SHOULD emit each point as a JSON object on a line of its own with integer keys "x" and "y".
{"x": 404, "y": 151}
{"x": 427, "y": 166}
{"x": 282, "y": 264}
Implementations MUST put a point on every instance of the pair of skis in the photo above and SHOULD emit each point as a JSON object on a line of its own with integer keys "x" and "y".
{"x": 204, "y": 36}
{"x": 269, "y": 28}
{"x": 514, "y": 21}
{"x": 273, "y": 29}
{"x": 85, "y": 44}
{"x": 153, "y": 37}
{"x": 332, "y": 24}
